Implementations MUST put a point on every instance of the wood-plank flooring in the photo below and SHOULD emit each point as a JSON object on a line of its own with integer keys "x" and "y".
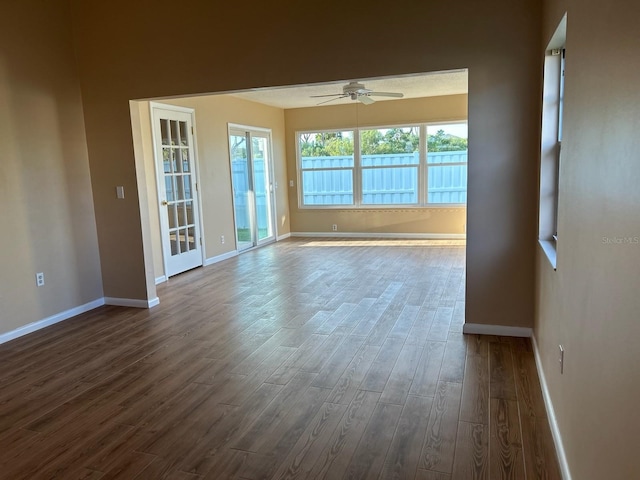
{"x": 303, "y": 359}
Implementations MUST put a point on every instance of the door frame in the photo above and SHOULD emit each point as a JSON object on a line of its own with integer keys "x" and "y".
{"x": 160, "y": 179}
{"x": 273, "y": 185}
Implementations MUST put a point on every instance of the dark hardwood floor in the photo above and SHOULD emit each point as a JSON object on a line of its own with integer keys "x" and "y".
{"x": 304, "y": 359}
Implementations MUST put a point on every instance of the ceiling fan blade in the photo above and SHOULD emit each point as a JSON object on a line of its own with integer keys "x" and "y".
{"x": 332, "y": 95}
{"x": 366, "y": 99}
{"x": 387, "y": 94}
{"x": 333, "y": 99}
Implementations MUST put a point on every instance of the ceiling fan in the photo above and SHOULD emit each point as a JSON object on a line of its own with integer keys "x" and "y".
{"x": 357, "y": 91}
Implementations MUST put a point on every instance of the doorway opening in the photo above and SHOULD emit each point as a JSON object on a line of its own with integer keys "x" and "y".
{"x": 252, "y": 183}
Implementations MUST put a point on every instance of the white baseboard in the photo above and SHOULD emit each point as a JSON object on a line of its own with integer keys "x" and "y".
{"x": 500, "y": 330}
{"x": 131, "y": 302}
{"x": 283, "y": 237}
{"x": 551, "y": 415}
{"x": 161, "y": 279}
{"x": 220, "y": 258}
{"x": 59, "y": 317}
{"x": 403, "y": 236}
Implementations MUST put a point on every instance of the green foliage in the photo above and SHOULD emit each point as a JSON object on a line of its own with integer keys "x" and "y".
{"x": 325, "y": 144}
{"x": 386, "y": 141}
{"x": 444, "y": 142}
{"x": 393, "y": 140}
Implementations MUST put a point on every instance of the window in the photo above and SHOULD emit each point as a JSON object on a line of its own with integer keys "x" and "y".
{"x": 327, "y": 167}
{"x": 447, "y": 163}
{"x": 390, "y": 160}
{"x": 414, "y": 165}
{"x": 551, "y": 140}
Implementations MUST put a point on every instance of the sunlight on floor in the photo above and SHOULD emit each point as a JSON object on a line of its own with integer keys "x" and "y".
{"x": 385, "y": 243}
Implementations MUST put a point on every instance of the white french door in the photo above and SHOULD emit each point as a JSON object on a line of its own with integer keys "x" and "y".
{"x": 251, "y": 173}
{"x": 176, "y": 171}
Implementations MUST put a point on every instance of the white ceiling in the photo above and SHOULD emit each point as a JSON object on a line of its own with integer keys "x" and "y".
{"x": 412, "y": 86}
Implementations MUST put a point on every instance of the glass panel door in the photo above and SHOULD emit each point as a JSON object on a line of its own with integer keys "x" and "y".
{"x": 242, "y": 194}
{"x": 178, "y": 202}
{"x": 252, "y": 187}
{"x": 262, "y": 186}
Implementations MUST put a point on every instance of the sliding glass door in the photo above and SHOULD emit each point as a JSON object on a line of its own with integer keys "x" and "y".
{"x": 250, "y": 151}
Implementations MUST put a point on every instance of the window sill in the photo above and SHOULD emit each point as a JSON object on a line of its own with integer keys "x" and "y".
{"x": 382, "y": 207}
{"x": 549, "y": 248}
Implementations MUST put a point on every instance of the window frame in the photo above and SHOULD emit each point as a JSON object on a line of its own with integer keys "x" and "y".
{"x": 300, "y": 170}
{"x": 422, "y": 166}
{"x": 551, "y": 148}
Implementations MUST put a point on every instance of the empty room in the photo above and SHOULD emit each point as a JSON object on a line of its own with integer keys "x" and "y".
{"x": 319, "y": 240}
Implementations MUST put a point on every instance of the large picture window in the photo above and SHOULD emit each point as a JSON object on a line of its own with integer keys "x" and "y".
{"x": 415, "y": 165}
{"x": 390, "y": 160}
{"x": 327, "y": 167}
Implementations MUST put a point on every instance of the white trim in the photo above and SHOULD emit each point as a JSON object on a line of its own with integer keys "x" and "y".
{"x": 59, "y": 317}
{"x": 501, "y": 330}
{"x": 283, "y": 237}
{"x": 417, "y": 236}
{"x": 238, "y": 126}
{"x": 549, "y": 248}
{"x": 161, "y": 279}
{"x": 220, "y": 258}
{"x": 131, "y": 302}
{"x": 551, "y": 415}
{"x": 169, "y": 106}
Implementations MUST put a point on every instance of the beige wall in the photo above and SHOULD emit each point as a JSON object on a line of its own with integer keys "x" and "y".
{"x": 46, "y": 207}
{"x": 441, "y": 220}
{"x": 213, "y": 113}
{"x": 591, "y": 303}
{"x": 497, "y": 40}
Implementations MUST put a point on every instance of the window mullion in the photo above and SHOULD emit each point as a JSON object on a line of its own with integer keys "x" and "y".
{"x": 423, "y": 171}
{"x": 357, "y": 169}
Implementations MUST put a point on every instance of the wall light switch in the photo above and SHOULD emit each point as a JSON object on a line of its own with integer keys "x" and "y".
{"x": 291, "y": 183}
{"x": 120, "y": 192}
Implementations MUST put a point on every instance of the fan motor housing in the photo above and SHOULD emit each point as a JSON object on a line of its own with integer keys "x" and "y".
{"x": 353, "y": 89}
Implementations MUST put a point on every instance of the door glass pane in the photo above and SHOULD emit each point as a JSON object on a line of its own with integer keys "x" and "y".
{"x": 241, "y": 191}
{"x": 191, "y": 238}
{"x": 173, "y": 132}
{"x": 168, "y": 184}
{"x": 164, "y": 131}
{"x": 186, "y": 161}
{"x": 187, "y": 186}
{"x": 262, "y": 185}
{"x": 173, "y": 216}
{"x": 189, "y": 212}
{"x": 166, "y": 154}
{"x": 177, "y": 155}
{"x": 173, "y": 240}
{"x": 183, "y": 240}
{"x": 183, "y": 134}
{"x": 180, "y": 190}
{"x": 182, "y": 217}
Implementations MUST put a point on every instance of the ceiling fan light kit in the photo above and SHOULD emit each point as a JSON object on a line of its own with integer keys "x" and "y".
{"x": 357, "y": 91}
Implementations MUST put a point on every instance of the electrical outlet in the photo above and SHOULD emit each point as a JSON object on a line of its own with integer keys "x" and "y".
{"x": 221, "y": 238}
{"x": 291, "y": 183}
{"x": 334, "y": 227}
{"x": 40, "y": 279}
{"x": 561, "y": 359}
